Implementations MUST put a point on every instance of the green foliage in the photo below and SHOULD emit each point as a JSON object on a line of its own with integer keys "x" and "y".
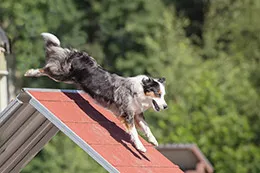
{"x": 24, "y": 21}
{"x": 209, "y": 55}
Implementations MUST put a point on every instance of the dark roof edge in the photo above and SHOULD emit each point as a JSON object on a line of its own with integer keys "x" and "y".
{"x": 177, "y": 146}
{"x": 192, "y": 147}
{"x": 26, "y": 96}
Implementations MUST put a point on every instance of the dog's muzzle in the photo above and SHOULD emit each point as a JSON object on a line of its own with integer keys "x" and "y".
{"x": 157, "y": 107}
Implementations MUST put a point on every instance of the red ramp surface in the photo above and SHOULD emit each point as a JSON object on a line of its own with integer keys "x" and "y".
{"x": 97, "y": 131}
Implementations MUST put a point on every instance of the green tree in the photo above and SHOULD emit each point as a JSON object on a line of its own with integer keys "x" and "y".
{"x": 24, "y": 21}
{"x": 210, "y": 60}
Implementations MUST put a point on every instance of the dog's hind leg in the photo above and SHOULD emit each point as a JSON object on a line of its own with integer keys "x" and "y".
{"x": 143, "y": 126}
{"x": 35, "y": 73}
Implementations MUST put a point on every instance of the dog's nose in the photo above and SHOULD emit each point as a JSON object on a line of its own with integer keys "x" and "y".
{"x": 165, "y": 106}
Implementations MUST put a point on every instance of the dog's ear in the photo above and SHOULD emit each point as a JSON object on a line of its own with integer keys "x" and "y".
{"x": 148, "y": 84}
{"x": 162, "y": 80}
{"x": 147, "y": 81}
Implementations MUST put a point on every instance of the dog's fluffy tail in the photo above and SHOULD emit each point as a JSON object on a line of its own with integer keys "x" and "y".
{"x": 50, "y": 39}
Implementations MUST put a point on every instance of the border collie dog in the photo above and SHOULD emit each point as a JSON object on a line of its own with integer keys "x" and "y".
{"x": 126, "y": 97}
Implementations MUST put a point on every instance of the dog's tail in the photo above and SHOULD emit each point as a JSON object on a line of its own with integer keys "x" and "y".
{"x": 50, "y": 39}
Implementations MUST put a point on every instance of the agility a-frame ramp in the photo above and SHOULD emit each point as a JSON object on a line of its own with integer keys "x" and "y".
{"x": 36, "y": 115}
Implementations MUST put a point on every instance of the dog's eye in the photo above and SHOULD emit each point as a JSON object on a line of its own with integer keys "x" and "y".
{"x": 157, "y": 94}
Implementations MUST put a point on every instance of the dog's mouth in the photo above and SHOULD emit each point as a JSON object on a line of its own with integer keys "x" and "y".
{"x": 155, "y": 106}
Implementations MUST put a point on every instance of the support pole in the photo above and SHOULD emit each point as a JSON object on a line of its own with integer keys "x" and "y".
{"x": 4, "y": 92}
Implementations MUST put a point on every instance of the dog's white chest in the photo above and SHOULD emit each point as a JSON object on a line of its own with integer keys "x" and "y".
{"x": 141, "y": 105}
{"x": 145, "y": 106}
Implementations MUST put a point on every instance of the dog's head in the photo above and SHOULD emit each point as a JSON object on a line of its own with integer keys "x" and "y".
{"x": 154, "y": 90}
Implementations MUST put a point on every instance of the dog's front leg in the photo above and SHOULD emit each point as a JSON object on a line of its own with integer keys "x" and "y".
{"x": 143, "y": 126}
{"x": 130, "y": 125}
{"x": 135, "y": 139}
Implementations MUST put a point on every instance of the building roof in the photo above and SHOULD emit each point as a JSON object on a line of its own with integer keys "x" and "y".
{"x": 187, "y": 156}
{"x": 36, "y": 115}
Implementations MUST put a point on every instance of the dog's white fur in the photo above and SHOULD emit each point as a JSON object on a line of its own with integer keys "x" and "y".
{"x": 50, "y": 37}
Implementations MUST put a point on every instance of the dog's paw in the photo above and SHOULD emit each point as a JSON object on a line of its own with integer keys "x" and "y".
{"x": 31, "y": 72}
{"x": 153, "y": 141}
{"x": 141, "y": 148}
